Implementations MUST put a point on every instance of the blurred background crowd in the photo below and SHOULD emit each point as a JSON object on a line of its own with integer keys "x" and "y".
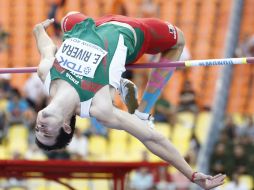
{"x": 183, "y": 113}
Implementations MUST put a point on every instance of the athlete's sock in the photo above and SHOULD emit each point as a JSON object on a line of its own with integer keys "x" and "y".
{"x": 157, "y": 81}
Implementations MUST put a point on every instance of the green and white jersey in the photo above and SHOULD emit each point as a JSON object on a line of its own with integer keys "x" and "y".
{"x": 92, "y": 57}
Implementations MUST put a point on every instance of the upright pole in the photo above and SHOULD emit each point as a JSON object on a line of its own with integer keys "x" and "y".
{"x": 222, "y": 89}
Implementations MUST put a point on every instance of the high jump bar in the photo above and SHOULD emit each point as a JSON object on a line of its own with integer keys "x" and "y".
{"x": 191, "y": 63}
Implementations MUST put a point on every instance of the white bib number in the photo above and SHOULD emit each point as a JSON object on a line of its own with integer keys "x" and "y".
{"x": 80, "y": 57}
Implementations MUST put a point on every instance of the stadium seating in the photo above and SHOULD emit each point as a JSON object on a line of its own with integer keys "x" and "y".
{"x": 203, "y": 42}
{"x": 17, "y": 140}
{"x": 205, "y": 37}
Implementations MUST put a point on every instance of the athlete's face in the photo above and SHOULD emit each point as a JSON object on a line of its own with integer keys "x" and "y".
{"x": 48, "y": 127}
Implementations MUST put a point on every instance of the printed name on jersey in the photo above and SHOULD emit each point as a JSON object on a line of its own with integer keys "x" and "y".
{"x": 77, "y": 53}
{"x": 80, "y": 57}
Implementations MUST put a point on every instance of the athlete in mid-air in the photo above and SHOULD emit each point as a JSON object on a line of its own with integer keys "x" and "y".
{"x": 82, "y": 76}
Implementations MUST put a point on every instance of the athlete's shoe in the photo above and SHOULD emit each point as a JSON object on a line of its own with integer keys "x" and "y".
{"x": 148, "y": 118}
{"x": 129, "y": 94}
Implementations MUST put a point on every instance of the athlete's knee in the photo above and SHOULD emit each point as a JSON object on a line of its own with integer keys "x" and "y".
{"x": 178, "y": 47}
{"x": 180, "y": 39}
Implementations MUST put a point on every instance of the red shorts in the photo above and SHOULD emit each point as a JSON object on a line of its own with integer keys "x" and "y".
{"x": 159, "y": 36}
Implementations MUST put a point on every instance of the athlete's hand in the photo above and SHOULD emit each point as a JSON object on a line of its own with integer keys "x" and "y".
{"x": 47, "y": 23}
{"x": 206, "y": 181}
{"x": 43, "y": 25}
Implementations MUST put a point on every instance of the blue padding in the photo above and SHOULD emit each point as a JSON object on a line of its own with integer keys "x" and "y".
{"x": 151, "y": 98}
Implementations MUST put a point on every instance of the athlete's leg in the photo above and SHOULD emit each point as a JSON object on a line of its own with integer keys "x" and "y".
{"x": 100, "y": 129}
{"x": 104, "y": 111}
{"x": 160, "y": 76}
{"x": 170, "y": 40}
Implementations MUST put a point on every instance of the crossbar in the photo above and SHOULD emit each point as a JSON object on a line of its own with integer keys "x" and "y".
{"x": 191, "y": 63}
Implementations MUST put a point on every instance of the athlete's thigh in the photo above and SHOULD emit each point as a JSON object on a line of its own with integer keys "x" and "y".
{"x": 102, "y": 106}
{"x": 112, "y": 91}
{"x": 162, "y": 35}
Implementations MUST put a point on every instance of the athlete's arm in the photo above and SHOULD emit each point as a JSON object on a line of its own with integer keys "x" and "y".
{"x": 103, "y": 110}
{"x": 46, "y": 48}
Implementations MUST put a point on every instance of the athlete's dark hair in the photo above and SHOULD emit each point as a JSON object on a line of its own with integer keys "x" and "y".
{"x": 62, "y": 140}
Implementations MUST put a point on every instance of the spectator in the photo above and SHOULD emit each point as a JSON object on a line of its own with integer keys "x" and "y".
{"x": 5, "y": 88}
{"x": 188, "y": 99}
{"x": 174, "y": 121}
{"x": 235, "y": 184}
{"x": 61, "y": 154}
{"x": 162, "y": 110}
{"x": 34, "y": 153}
{"x": 221, "y": 160}
{"x": 163, "y": 179}
{"x": 29, "y": 118}
{"x": 96, "y": 128}
{"x": 250, "y": 164}
{"x": 145, "y": 156}
{"x": 224, "y": 139}
{"x": 180, "y": 181}
{"x": 230, "y": 127}
{"x": 247, "y": 129}
{"x": 5, "y": 85}
{"x": 2, "y": 125}
{"x": 16, "y": 108}
{"x": 194, "y": 143}
{"x": 247, "y": 47}
{"x": 16, "y": 182}
{"x": 142, "y": 179}
{"x": 3, "y": 39}
{"x": 78, "y": 147}
{"x": 194, "y": 148}
{"x": 247, "y": 143}
{"x": 240, "y": 159}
